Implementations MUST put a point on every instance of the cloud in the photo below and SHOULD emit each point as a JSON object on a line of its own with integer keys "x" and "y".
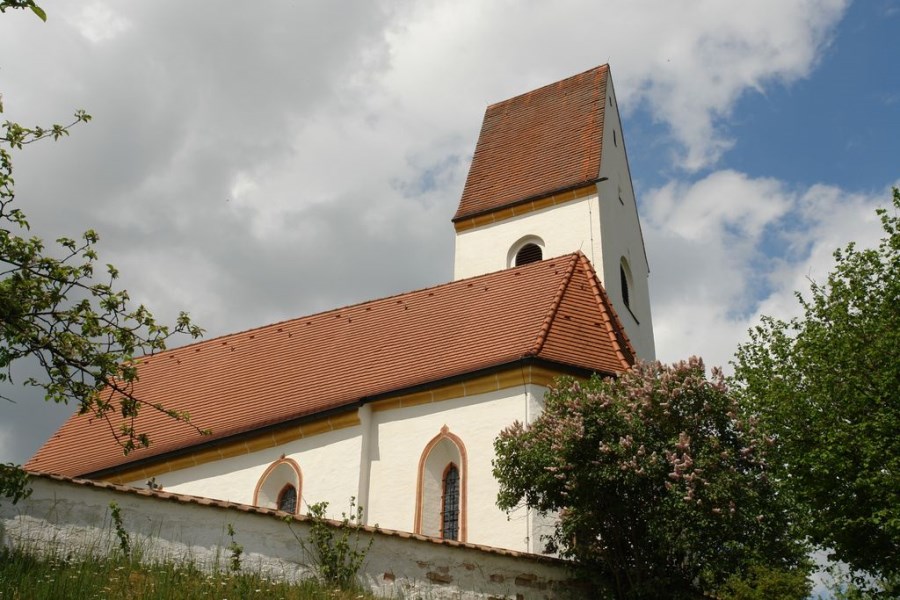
{"x": 728, "y": 248}
{"x": 687, "y": 62}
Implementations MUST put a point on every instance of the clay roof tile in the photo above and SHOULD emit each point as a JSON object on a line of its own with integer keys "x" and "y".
{"x": 543, "y": 142}
{"x": 554, "y": 310}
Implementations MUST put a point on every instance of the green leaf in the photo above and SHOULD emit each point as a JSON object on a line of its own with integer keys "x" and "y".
{"x": 39, "y": 12}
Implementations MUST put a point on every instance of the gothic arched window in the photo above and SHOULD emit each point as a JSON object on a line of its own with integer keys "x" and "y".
{"x": 279, "y": 487}
{"x": 450, "y": 503}
{"x": 441, "y": 488}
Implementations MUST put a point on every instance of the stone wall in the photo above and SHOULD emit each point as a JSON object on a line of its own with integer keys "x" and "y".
{"x": 72, "y": 516}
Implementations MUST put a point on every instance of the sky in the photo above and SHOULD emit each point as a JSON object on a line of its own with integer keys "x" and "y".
{"x": 253, "y": 162}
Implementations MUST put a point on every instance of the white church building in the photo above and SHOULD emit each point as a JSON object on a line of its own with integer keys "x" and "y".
{"x": 397, "y": 401}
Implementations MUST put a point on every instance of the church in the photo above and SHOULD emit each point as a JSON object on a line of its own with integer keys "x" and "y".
{"x": 396, "y": 402}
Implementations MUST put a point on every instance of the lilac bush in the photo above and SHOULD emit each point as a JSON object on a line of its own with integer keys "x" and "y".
{"x": 659, "y": 483}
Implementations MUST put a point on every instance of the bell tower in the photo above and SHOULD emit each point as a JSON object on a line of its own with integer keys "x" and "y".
{"x": 550, "y": 177}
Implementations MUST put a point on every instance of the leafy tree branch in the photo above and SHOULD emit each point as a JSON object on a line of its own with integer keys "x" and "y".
{"x": 827, "y": 385}
{"x": 59, "y": 308}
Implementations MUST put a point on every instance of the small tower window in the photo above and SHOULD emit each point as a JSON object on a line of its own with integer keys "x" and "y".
{"x": 624, "y": 279}
{"x": 615, "y": 139}
{"x": 287, "y": 499}
{"x": 450, "y": 503}
{"x": 529, "y": 253}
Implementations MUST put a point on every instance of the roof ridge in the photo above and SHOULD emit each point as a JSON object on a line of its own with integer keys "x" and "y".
{"x": 554, "y": 307}
{"x": 338, "y": 309}
{"x": 615, "y": 329}
{"x": 598, "y": 69}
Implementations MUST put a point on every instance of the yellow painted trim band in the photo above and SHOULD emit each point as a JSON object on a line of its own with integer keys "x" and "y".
{"x": 523, "y": 209}
{"x": 254, "y": 443}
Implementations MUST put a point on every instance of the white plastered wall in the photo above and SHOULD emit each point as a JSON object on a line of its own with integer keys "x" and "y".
{"x": 561, "y": 229}
{"x": 620, "y": 229}
{"x": 401, "y": 437}
{"x": 329, "y": 464}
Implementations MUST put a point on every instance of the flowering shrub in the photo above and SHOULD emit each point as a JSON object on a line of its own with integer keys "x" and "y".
{"x": 659, "y": 484}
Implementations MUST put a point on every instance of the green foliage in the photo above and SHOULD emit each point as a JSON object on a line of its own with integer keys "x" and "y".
{"x": 235, "y": 551}
{"x": 827, "y": 385}
{"x": 29, "y": 4}
{"x": 13, "y": 483}
{"x": 659, "y": 484}
{"x": 846, "y": 585}
{"x": 82, "y": 331}
{"x": 765, "y": 583}
{"x": 119, "y": 526}
{"x": 28, "y": 575}
{"x": 336, "y": 549}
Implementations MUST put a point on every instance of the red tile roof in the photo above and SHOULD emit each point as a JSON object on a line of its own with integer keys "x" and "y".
{"x": 554, "y": 310}
{"x": 537, "y": 144}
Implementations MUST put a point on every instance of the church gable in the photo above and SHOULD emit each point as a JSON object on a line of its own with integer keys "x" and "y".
{"x": 586, "y": 323}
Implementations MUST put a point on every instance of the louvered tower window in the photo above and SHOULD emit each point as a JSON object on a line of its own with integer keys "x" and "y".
{"x": 450, "y": 504}
{"x": 529, "y": 253}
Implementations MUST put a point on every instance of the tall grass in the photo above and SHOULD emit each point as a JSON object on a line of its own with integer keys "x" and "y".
{"x": 26, "y": 576}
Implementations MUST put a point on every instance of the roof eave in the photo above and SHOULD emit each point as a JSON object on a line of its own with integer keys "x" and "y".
{"x": 521, "y": 362}
{"x": 533, "y": 198}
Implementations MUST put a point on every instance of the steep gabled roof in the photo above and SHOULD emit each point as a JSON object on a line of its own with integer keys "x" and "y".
{"x": 554, "y": 310}
{"x": 537, "y": 144}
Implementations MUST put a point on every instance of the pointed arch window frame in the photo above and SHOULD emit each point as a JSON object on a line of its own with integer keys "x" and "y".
{"x": 297, "y": 483}
{"x": 462, "y": 467}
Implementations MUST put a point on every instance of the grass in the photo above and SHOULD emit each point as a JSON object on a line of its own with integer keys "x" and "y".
{"x": 27, "y": 576}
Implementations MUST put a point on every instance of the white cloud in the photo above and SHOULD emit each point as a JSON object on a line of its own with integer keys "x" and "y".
{"x": 728, "y": 248}
{"x": 688, "y": 61}
{"x": 99, "y": 23}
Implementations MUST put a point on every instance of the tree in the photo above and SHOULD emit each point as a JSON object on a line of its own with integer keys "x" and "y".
{"x": 83, "y": 332}
{"x": 657, "y": 481}
{"x": 827, "y": 384}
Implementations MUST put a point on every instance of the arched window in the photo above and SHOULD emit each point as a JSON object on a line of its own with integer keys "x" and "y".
{"x": 441, "y": 488}
{"x": 287, "y": 499}
{"x": 624, "y": 279}
{"x": 279, "y": 487}
{"x": 526, "y": 249}
{"x": 450, "y": 503}
{"x": 528, "y": 253}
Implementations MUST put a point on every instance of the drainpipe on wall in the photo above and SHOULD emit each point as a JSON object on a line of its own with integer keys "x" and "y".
{"x": 365, "y": 460}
